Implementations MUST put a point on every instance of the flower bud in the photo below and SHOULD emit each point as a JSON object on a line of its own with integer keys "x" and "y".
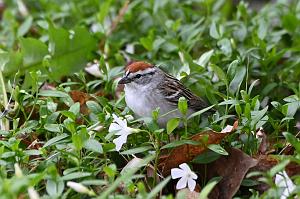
{"x": 32, "y": 193}
{"x": 18, "y": 171}
{"x": 79, "y": 188}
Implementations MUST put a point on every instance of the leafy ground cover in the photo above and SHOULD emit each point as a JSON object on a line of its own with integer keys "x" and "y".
{"x": 61, "y": 107}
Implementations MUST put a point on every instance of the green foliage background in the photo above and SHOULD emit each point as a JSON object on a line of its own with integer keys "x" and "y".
{"x": 244, "y": 61}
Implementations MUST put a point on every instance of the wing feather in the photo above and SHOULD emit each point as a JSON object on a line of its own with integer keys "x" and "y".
{"x": 173, "y": 89}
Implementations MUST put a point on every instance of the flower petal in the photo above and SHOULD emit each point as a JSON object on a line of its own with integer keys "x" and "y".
{"x": 177, "y": 173}
{"x": 129, "y": 130}
{"x": 191, "y": 184}
{"x": 193, "y": 175}
{"x": 114, "y": 127}
{"x": 122, "y": 123}
{"x": 182, "y": 183}
{"x": 185, "y": 167}
{"x": 120, "y": 141}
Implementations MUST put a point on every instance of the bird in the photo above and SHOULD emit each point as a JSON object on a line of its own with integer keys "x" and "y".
{"x": 147, "y": 87}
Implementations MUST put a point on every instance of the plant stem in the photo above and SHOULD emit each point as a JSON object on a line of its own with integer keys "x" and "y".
{"x": 4, "y": 122}
{"x": 157, "y": 151}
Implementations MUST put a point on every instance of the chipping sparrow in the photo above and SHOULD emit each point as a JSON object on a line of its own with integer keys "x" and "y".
{"x": 148, "y": 87}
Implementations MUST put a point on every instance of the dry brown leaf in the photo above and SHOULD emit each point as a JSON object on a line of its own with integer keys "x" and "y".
{"x": 79, "y": 96}
{"x": 187, "y": 152}
{"x": 265, "y": 163}
{"x": 292, "y": 169}
{"x": 82, "y": 98}
{"x": 232, "y": 169}
{"x": 187, "y": 194}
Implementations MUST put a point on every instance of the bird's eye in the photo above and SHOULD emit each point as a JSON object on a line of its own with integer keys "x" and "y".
{"x": 138, "y": 76}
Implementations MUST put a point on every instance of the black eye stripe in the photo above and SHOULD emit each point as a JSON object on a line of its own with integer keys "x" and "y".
{"x": 141, "y": 75}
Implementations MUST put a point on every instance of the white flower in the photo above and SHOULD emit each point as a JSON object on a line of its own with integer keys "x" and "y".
{"x": 120, "y": 127}
{"x": 283, "y": 181}
{"x": 32, "y": 193}
{"x": 186, "y": 175}
{"x": 79, "y": 188}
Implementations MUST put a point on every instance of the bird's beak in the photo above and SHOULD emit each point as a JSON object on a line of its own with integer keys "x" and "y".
{"x": 124, "y": 80}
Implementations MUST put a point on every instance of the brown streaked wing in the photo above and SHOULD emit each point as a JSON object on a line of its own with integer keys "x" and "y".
{"x": 173, "y": 89}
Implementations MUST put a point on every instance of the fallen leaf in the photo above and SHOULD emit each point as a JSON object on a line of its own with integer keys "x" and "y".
{"x": 187, "y": 194}
{"x": 82, "y": 98}
{"x": 231, "y": 168}
{"x": 187, "y": 152}
{"x": 227, "y": 129}
{"x": 292, "y": 169}
{"x": 265, "y": 163}
{"x": 79, "y": 96}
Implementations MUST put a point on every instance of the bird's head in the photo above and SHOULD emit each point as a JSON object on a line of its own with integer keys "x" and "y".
{"x": 140, "y": 73}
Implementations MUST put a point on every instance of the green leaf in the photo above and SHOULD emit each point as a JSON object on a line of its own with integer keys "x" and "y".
{"x": 182, "y": 105}
{"x": 94, "y": 107}
{"x": 53, "y": 93}
{"x": 55, "y": 188}
{"x": 69, "y": 114}
{"x": 221, "y": 75}
{"x": 179, "y": 143}
{"x": 200, "y": 112}
{"x": 292, "y": 140}
{"x": 279, "y": 167}
{"x": 25, "y": 26}
{"x": 249, "y": 182}
{"x": 208, "y": 187}
{"x": 75, "y": 108}
{"x": 231, "y": 102}
{"x": 93, "y": 145}
{"x": 33, "y": 51}
{"x": 76, "y": 175}
{"x": 158, "y": 188}
{"x": 56, "y": 139}
{"x": 237, "y": 80}
{"x": 56, "y": 128}
{"x": 110, "y": 170}
{"x": 206, "y": 157}
{"x": 104, "y": 10}
{"x": 205, "y": 57}
{"x": 225, "y": 46}
{"x": 147, "y": 43}
{"x": 172, "y": 125}
{"x": 69, "y": 50}
{"x": 254, "y": 83}
{"x": 77, "y": 141}
{"x": 94, "y": 182}
{"x": 232, "y": 69}
{"x": 213, "y": 32}
{"x": 257, "y": 116}
{"x": 137, "y": 150}
{"x": 262, "y": 29}
{"x": 10, "y": 62}
{"x": 127, "y": 175}
{"x": 291, "y": 108}
{"x": 102, "y": 65}
{"x": 218, "y": 149}
{"x": 247, "y": 110}
{"x": 290, "y": 21}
